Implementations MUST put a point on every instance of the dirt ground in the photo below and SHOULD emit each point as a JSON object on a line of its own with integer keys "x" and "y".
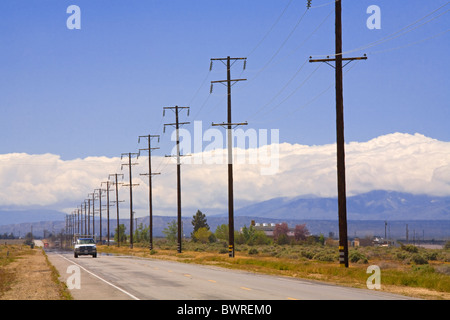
{"x": 33, "y": 280}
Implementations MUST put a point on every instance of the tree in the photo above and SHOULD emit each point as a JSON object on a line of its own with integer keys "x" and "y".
{"x": 29, "y": 238}
{"x": 222, "y": 232}
{"x": 198, "y": 221}
{"x": 251, "y": 236}
{"x": 203, "y": 235}
{"x": 120, "y": 236}
{"x": 171, "y": 231}
{"x": 280, "y": 229}
{"x": 301, "y": 232}
{"x": 283, "y": 239}
{"x": 141, "y": 234}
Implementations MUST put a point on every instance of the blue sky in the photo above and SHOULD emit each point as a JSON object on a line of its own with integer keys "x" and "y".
{"x": 92, "y": 92}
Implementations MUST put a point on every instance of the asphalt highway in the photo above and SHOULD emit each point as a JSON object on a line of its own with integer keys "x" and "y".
{"x": 130, "y": 278}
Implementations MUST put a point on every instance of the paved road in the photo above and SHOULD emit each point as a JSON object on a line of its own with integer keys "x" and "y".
{"x": 121, "y": 278}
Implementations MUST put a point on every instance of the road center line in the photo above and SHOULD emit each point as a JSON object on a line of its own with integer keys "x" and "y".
{"x": 100, "y": 278}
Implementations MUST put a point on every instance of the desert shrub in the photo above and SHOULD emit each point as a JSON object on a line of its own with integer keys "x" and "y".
{"x": 431, "y": 255}
{"x": 356, "y": 256}
{"x": 253, "y": 251}
{"x": 324, "y": 256}
{"x": 418, "y": 259}
{"x": 402, "y": 255}
{"x": 307, "y": 254}
{"x": 447, "y": 245}
{"x": 410, "y": 248}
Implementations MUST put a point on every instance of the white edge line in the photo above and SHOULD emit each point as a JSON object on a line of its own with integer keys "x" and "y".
{"x": 107, "y": 282}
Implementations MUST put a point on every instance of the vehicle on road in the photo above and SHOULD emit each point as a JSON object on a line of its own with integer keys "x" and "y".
{"x": 84, "y": 245}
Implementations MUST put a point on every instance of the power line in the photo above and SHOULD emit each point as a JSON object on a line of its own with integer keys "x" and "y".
{"x": 394, "y": 35}
{"x": 409, "y": 44}
{"x": 317, "y": 96}
{"x": 281, "y": 90}
{"x": 282, "y": 45}
{"x": 296, "y": 73}
{"x": 271, "y": 28}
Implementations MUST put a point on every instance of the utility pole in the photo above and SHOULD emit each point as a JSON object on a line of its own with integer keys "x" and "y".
{"x": 149, "y": 174}
{"x": 100, "y": 190}
{"x": 229, "y": 125}
{"x": 93, "y": 212}
{"x": 129, "y": 164}
{"x": 78, "y": 221}
{"x": 108, "y": 184}
{"x": 116, "y": 184}
{"x": 340, "y": 141}
{"x": 177, "y": 125}
{"x": 385, "y": 229}
{"x": 85, "y": 220}
{"x": 89, "y": 217}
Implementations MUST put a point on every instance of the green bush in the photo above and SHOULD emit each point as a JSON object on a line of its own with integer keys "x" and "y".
{"x": 307, "y": 254}
{"x": 432, "y": 255}
{"x": 419, "y": 259}
{"x": 324, "y": 256}
{"x": 356, "y": 256}
{"x": 410, "y": 248}
{"x": 282, "y": 239}
{"x": 447, "y": 245}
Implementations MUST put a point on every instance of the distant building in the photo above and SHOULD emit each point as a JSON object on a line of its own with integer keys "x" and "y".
{"x": 268, "y": 228}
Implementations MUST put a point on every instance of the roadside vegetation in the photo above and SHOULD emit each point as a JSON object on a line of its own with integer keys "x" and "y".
{"x": 10, "y": 252}
{"x": 19, "y": 280}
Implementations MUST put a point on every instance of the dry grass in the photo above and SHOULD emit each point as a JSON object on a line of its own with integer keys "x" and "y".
{"x": 26, "y": 274}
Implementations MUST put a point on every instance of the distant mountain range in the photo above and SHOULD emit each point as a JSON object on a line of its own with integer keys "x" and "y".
{"x": 366, "y": 215}
{"x": 25, "y": 216}
{"x": 374, "y": 205}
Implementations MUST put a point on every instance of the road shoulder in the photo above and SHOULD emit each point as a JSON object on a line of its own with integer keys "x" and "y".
{"x": 86, "y": 286}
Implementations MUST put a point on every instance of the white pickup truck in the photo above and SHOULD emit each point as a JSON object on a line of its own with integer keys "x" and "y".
{"x": 85, "y": 246}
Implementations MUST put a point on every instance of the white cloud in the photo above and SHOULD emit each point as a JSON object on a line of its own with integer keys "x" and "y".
{"x": 400, "y": 162}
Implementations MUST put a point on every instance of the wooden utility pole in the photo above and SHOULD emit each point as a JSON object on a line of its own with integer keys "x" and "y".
{"x": 116, "y": 184}
{"x": 89, "y": 217}
{"x": 108, "y": 184}
{"x": 340, "y": 141}
{"x": 229, "y": 125}
{"x": 85, "y": 220}
{"x": 149, "y": 174}
{"x": 79, "y": 220}
{"x": 100, "y": 191}
{"x": 130, "y": 184}
{"x": 93, "y": 212}
{"x": 177, "y": 125}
